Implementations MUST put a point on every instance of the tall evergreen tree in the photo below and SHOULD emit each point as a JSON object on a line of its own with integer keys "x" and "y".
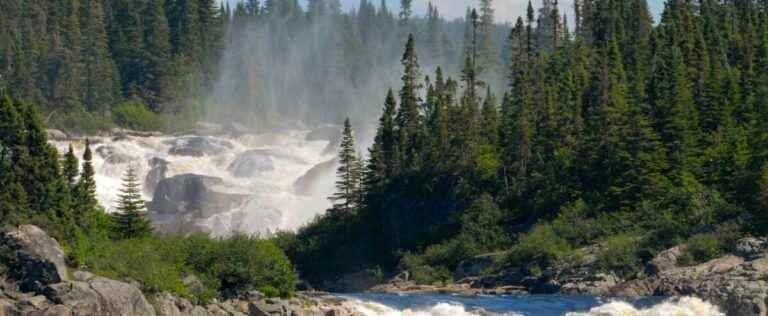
{"x": 347, "y": 193}
{"x": 130, "y": 218}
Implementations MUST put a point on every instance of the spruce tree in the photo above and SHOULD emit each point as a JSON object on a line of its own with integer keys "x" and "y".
{"x": 85, "y": 193}
{"x": 347, "y": 193}
{"x": 130, "y": 218}
{"x": 71, "y": 168}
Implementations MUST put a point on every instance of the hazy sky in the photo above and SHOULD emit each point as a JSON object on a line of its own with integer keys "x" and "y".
{"x": 506, "y": 10}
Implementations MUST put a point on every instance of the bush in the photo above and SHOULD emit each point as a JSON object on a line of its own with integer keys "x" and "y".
{"x": 541, "y": 247}
{"x": 423, "y": 273}
{"x": 244, "y": 263}
{"x": 135, "y": 115}
{"x": 80, "y": 122}
{"x": 160, "y": 264}
{"x": 700, "y": 248}
{"x": 620, "y": 254}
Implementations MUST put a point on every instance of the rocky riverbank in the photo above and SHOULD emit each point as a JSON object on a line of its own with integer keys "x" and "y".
{"x": 37, "y": 282}
{"x": 737, "y": 283}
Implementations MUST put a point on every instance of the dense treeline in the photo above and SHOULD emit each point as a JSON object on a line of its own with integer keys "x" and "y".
{"x": 39, "y": 187}
{"x": 621, "y": 131}
{"x": 83, "y": 59}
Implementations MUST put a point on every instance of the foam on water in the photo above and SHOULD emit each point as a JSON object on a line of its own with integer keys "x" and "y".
{"x": 686, "y": 306}
{"x": 273, "y": 203}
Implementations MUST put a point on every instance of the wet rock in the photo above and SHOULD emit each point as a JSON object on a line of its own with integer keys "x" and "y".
{"x": 180, "y": 201}
{"x": 251, "y": 163}
{"x": 311, "y": 183}
{"x": 36, "y": 259}
{"x": 158, "y": 170}
{"x": 666, "y": 260}
{"x": 198, "y": 146}
{"x": 169, "y": 305}
{"x": 112, "y": 155}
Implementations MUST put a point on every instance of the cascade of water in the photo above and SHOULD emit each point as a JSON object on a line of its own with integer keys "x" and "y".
{"x": 260, "y": 170}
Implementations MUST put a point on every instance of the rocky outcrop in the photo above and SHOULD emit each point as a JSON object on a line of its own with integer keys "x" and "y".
{"x": 738, "y": 283}
{"x": 33, "y": 258}
{"x": 180, "y": 201}
{"x": 251, "y": 163}
{"x": 112, "y": 155}
{"x": 197, "y": 146}
{"x": 100, "y": 296}
{"x": 665, "y": 260}
{"x": 158, "y": 171}
{"x": 315, "y": 180}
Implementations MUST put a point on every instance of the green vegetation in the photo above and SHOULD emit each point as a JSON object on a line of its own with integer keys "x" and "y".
{"x": 136, "y": 116}
{"x": 622, "y": 132}
{"x": 35, "y": 188}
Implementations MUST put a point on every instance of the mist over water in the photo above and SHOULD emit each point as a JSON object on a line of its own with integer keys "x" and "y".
{"x": 267, "y": 196}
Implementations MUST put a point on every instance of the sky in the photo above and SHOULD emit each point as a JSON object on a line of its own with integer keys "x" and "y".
{"x": 506, "y": 10}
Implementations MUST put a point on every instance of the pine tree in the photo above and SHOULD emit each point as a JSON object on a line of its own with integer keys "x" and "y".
{"x": 408, "y": 118}
{"x": 71, "y": 168}
{"x": 130, "y": 217}
{"x": 85, "y": 193}
{"x": 347, "y": 193}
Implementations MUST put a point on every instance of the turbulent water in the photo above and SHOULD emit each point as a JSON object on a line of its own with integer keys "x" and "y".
{"x": 535, "y": 305}
{"x": 285, "y": 181}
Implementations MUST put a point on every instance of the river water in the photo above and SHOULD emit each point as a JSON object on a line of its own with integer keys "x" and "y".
{"x": 529, "y": 305}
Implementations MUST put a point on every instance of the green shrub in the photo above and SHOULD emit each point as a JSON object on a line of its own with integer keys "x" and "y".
{"x": 620, "y": 254}
{"x": 540, "y": 248}
{"x": 423, "y": 273}
{"x": 700, "y": 248}
{"x": 244, "y": 263}
{"x": 269, "y": 291}
{"x": 80, "y": 122}
{"x": 136, "y": 116}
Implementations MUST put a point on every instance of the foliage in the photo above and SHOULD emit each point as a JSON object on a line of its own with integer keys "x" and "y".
{"x": 700, "y": 248}
{"x": 136, "y": 116}
{"x": 131, "y": 219}
{"x": 619, "y": 254}
{"x": 539, "y": 249}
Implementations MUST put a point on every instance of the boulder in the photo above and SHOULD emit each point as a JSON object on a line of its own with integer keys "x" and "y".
{"x": 8, "y": 308}
{"x": 157, "y": 172}
{"x": 34, "y": 259}
{"x": 316, "y": 180}
{"x": 268, "y": 308}
{"x": 100, "y": 296}
{"x": 751, "y": 248}
{"x": 180, "y": 201}
{"x": 169, "y": 305}
{"x": 112, "y": 155}
{"x": 251, "y": 163}
{"x": 665, "y": 260}
{"x": 197, "y": 146}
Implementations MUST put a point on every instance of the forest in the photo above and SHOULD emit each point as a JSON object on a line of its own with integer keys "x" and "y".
{"x": 537, "y": 138}
{"x": 625, "y": 132}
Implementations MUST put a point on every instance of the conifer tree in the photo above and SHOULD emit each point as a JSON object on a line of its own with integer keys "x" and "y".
{"x": 130, "y": 217}
{"x": 71, "y": 168}
{"x": 85, "y": 193}
{"x": 347, "y": 193}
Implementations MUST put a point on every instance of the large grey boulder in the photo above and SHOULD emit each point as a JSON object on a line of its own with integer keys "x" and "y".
{"x": 251, "y": 163}
{"x": 113, "y": 155}
{"x": 751, "y": 247}
{"x": 33, "y": 258}
{"x": 100, "y": 296}
{"x": 666, "y": 260}
{"x": 181, "y": 201}
{"x": 157, "y": 172}
{"x": 312, "y": 182}
{"x": 169, "y": 305}
{"x": 197, "y": 146}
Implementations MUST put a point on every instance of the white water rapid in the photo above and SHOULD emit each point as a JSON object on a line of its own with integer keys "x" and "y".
{"x": 686, "y": 306}
{"x": 260, "y": 183}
